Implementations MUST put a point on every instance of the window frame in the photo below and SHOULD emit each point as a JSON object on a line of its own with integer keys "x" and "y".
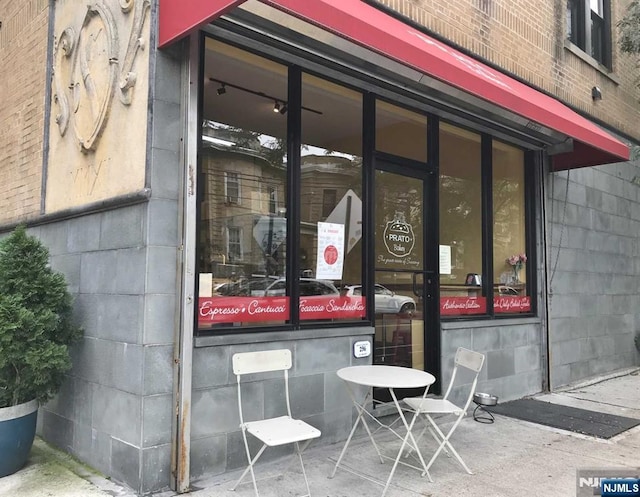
{"x": 580, "y": 29}
{"x": 227, "y": 187}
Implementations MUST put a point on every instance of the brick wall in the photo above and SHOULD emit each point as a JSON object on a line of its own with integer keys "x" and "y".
{"x": 527, "y": 39}
{"x": 23, "y": 55}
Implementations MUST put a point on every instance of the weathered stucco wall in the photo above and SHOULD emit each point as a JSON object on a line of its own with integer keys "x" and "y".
{"x": 99, "y": 113}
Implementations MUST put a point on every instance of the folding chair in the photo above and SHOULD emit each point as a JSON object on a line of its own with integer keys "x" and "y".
{"x": 425, "y": 407}
{"x": 271, "y": 432}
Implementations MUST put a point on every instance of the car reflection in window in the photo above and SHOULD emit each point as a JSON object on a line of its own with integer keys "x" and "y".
{"x": 386, "y": 301}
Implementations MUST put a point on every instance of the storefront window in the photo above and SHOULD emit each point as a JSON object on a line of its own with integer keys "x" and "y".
{"x": 509, "y": 233}
{"x": 330, "y": 201}
{"x": 401, "y": 132}
{"x": 242, "y": 255}
{"x": 460, "y": 222}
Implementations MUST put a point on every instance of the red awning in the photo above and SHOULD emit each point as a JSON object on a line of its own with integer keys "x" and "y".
{"x": 371, "y": 28}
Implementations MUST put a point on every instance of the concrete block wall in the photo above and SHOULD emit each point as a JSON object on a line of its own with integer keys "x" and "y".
{"x": 317, "y": 395}
{"x": 512, "y": 348}
{"x": 594, "y": 244}
{"x": 115, "y": 412}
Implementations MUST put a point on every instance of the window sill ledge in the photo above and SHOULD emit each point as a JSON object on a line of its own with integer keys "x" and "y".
{"x": 578, "y": 52}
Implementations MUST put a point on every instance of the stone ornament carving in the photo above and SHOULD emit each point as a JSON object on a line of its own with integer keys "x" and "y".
{"x": 87, "y": 70}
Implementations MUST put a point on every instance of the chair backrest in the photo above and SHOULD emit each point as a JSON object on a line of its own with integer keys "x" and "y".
{"x": 470, "y": 360}
{"x": 262, "y": 361}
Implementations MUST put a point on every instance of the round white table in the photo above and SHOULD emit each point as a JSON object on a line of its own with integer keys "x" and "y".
{"x": 391, "y": 378}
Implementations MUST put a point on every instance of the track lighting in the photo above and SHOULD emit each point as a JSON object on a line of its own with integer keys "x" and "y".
{"x": 279, "y": 106}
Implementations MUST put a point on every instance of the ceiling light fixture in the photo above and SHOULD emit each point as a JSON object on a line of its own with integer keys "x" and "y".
{"x": 276, "y": 107}
{"x": 282, "y": 105}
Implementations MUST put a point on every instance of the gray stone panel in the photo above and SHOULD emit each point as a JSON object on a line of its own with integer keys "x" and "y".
{"x": 54, "y": 236}
{"x": 159, "y": 319}
{"x": 57, "y": 430}
{"x": 97, "y": 272}
{"x": 69, "y": 266}
{"x": 118, "y": 318}
{"x": 211, "y": 367}
{"x": 161, "y": 275}
{"x": 167, "y": 131}
{"x": 83, "y": 234}
{"x": 62, "y": 404}
{"x": 157, "y": 413}
{"x": 84, "y": 312}
{"x": 125, "y": 462}
{"x": 156, "y": 468}
{"x": 123, "y": 228}
{"x": 166, "y": 174}
{"x": 527, "y": 358}
{"x": 334, "y": 425}
{"x": 209, "y": 456}
{"x": 130, "y": 271}
{"x": 113, "y": 364}
{"x": 158, "y": 369}
{"x": 216, "y": 411}
{"x": 485, "y": 339}
{"x": 336, "y": 396}
{"x": 163, "y": 223}
{"x": 454, "y": 338}
{"x": 314, "y": 356}
{"x": 167, "y": 84}
{"x": 500, "y": 363}
{"x": 117, "y": 413}
{"x": 93, "y": 447}
{"x": 307, "y": 396}
{"x": 82, "y": 401}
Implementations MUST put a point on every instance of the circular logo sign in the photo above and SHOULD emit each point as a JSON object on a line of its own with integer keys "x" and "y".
{"x": 330, "y": 255}
{"x": 399, "y": 238}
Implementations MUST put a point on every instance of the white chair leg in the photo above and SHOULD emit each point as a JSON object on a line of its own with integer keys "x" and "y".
{"x": 250, "y": 468}
{"x": 445, "y": 443}
{"x": 304, "y": 473}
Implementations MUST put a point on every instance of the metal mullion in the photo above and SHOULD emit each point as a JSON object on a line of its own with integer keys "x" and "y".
{"x": 368, "y": 194}
{"x": 294, "y": 144}
{"x": 486, "y": 160}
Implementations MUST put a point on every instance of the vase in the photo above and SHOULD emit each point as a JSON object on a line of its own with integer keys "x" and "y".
{"x": 17, "y": 431}
{"x": 516, "y": 275}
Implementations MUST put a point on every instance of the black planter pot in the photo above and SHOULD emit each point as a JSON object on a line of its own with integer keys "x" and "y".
{"x": 17, "y": 431}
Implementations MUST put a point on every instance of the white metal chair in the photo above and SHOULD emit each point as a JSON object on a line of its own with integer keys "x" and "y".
{"x": 425, "y": 407}
{"x": 273, "y": 431}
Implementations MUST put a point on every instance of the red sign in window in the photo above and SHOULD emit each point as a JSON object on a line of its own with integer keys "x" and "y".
{"x": 512, "y": 304}
{"x": 220, "y": 310}
{"x": 453, "y": 306}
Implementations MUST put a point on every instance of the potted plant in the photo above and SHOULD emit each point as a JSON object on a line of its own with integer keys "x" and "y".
{"x": 36, "y": 330}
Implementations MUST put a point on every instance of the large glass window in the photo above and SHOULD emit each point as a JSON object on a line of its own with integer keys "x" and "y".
{"x": 460, "y": 222}
{"x": 463, "y": 289}
{"x": 509, "y": 230}
{"x": 330, "y": 200}
{"x": 400, "y": 131}
{"x": 243, "y": 176}
{"x": 245, "y": 272}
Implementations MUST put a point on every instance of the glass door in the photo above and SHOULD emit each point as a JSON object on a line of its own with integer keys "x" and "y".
{"x": 402, "y": 280}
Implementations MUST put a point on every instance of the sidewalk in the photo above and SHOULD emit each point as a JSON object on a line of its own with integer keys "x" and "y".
{"x": 509, "y": 458}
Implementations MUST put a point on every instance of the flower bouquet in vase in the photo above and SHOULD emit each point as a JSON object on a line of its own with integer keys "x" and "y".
{"x": 516, "y": 262}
